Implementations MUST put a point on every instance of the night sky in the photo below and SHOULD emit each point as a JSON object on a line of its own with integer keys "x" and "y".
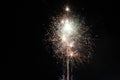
{"x": 34, "y": 56}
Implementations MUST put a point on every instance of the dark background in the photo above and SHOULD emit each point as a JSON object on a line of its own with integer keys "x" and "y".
{"x": 33, "y": 56}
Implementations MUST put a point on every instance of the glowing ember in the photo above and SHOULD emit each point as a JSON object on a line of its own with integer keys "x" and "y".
{"x": 71, "y": 54}
{"x": 67, "y": 9}
{"x": 71, "y": 44}
{"x": 62, "y": 21}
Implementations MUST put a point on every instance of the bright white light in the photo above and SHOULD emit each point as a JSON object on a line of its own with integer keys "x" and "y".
{"x": 62, "y": 21}
{"x": 63, "y": 38}
{"x": 67, "y": 9}
{"x": 67, "y": 26}
{"x": 71, "y": 44}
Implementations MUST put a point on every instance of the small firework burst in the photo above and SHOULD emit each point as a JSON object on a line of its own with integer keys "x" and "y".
{"x": 71, "y": 40}
{"x": 71, "y": 34}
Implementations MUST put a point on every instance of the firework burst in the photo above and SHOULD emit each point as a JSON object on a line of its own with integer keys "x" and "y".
{"x": 70, "y": 32}
{"x": 71, "y": 39}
